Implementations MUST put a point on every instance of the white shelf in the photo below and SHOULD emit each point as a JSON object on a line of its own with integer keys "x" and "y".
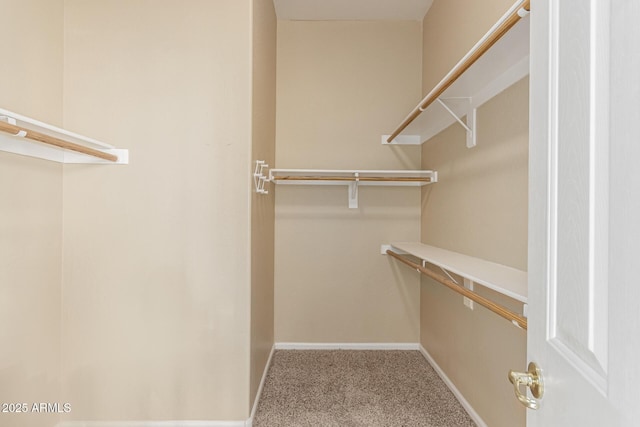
{"x": 21, "y": 144}
{"x": 346, "y": 177}
{"x": 500, "y": 278}
{"x": 353, "y": 178}
{"x": 504, "y": 64}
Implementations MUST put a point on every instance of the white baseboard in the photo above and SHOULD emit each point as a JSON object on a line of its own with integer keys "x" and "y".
{"x": 151, "y": 424}
{"x": 465, "y": 404}
{"x": 346, "y": 346}
{"x": 249, "y": 422}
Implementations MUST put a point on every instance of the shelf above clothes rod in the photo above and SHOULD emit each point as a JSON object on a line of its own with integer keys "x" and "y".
{"x": 497, "y": 61}
{"x": 515, "y": 318}
{"x": 353, "y": 178}
{"x": 344, "y": 177}
{"x": 30, "y": 137}
{"x": 500, "y": 278}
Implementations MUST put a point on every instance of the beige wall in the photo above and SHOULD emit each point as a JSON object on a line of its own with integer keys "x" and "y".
{"x": 340, "y": 86}
{"x": 156, "y": 256}
{"x": 31, "y": 212}
{"x": 450, "y": 29}
{"x": 478, "y": 207}
{"x": 262, "y": 207}
{"x": 156, "y": 285}
{"x": 31, "y": 70}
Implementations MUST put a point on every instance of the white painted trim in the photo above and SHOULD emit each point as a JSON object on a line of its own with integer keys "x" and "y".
{"x": 151, "y": 424}
{"x": 465, "y": 404}
{"x": 402, "y": 140}
{"x": 346, "y": 346}
{"x": 249, "y": 422}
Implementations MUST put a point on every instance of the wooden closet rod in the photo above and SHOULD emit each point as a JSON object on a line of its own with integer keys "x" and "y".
{"x": 47, "y": 139}
{"x": 352, "y": 178}
{"x": 496, "y": 308}
{"x": 488, "y": 41}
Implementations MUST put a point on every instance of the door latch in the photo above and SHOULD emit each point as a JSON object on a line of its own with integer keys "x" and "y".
{"x": 532, "y": 379}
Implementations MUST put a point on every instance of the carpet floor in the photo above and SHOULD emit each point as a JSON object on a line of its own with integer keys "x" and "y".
{"x": 355, "y": 388}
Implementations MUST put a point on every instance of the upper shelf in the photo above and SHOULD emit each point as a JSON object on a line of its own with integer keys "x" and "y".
{"x": 500, "y": 278}
{"x": 30, "y": 137}
{"x": 497, "y": 61}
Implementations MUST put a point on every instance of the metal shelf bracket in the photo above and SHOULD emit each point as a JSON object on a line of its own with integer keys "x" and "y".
{"x": 469, "y": 126}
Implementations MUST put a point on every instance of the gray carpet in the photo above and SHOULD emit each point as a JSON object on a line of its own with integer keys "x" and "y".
{"x": 355, "y": 388}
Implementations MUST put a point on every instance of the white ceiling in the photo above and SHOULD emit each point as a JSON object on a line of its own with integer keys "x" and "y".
{"x": 351, "y": 10}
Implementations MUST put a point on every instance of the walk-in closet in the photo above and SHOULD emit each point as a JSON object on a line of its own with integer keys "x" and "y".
{"x": 338, "y": 213}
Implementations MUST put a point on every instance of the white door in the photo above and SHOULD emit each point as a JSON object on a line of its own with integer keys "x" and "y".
{"x": 584, "y": 212}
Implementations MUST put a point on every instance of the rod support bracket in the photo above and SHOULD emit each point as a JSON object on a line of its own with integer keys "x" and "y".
{"x": 9, "y": 119}
{"x": 353, "y": 193}
{"x": 13, "y": 121}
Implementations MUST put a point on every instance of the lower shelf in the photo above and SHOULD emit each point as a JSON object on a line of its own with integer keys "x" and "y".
{"x": 500, "y": 278}
{"x": 473, "y": 269}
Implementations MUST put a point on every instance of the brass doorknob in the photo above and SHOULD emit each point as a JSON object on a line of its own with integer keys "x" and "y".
{"x": 532, "y": 379}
